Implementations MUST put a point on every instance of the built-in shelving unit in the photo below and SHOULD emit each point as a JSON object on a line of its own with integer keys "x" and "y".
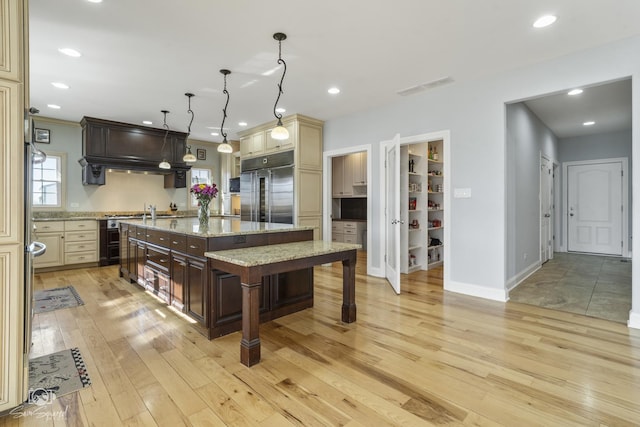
{"x": 435, "y": 204}
{"x": 422, "y": 213}
{"x": 414, "y": 215}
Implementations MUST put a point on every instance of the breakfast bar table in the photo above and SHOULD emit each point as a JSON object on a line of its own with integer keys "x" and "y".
{"x": 251, "y": 264}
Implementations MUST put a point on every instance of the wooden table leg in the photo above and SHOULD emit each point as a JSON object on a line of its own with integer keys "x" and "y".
{"x": 250, "y": 343}
{"x": 349, "y": 288}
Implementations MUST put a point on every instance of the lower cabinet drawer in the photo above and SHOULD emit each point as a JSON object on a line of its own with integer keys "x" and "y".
{"x": 81, "y": 236}
{"x": 337, "y": 237}
{"x": 159, "y": 257}
{"x": 80, "y": 246}
{"x": 80, "y": 257}
{"x": 350, "y": 238}
{"x": 157, "y": 283}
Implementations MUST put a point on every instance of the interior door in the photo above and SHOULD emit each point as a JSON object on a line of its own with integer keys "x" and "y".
{"x": 546, "y": 209}
{"x": 392, "y": 213}
{"x": 594, "y": 203}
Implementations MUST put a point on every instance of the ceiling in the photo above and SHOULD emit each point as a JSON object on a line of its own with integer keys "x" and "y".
{"x": 608, "y": 105}
{"x": 142, "y": 56}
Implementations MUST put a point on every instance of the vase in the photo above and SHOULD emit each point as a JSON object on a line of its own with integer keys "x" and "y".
{"x": 203, "y": 213}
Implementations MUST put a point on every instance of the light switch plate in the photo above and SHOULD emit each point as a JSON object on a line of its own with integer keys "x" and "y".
{"x": 461, "y": 193}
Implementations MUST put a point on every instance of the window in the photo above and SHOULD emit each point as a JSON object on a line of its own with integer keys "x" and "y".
{"x": 47, "y": 186}
{"x": 198, "y": 176}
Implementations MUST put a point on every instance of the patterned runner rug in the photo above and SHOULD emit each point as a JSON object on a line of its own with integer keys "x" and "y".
{"x": 55, "y": 299}
{"x": 55, "y": 375}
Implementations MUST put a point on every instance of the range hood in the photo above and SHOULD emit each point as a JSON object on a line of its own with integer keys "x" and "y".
{"x": 115, "y": 145}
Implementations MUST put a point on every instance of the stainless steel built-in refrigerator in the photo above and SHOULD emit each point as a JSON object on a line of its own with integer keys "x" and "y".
{"x": 32, "y": 155}
{"x": 266, "y": 188}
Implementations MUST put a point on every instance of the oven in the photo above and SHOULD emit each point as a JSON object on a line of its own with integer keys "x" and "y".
{"x": 109, "y": 242}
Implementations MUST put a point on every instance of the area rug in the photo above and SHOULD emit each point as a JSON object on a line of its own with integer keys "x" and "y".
{"x": 55, "y": 375}
{"x": 55, "y": 299}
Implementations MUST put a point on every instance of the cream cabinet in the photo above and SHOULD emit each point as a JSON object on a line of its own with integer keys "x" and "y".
{"x": 51, "y": 233}
{"x": 349, "y": 175}
{"x": 359, "y": 166}
{"x": 80, "y": 241}
{"x": 276, "y": 145}
{"x": 348, "y": 231}
{"x": 342, "y": 177}
{"x": 305, "y": 139}
{"x": 13, "y": 131}
{"x": 68, "y": 242}
{"x": 252, "y": 145}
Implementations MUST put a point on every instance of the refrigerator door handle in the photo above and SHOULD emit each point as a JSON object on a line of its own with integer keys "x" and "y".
{"x": 41, "y": 249}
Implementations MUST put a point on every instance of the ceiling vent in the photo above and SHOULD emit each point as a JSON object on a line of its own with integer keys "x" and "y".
{"x": 425, "y": 86}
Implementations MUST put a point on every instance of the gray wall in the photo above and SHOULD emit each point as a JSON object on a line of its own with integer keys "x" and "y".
{"x": 594, "y": 147}
{"x": 474, "y": 113}
{"x": 122, "y": 191}
{"x": 527, "y": 139}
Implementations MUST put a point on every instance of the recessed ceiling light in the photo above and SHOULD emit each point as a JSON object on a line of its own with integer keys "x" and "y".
{"x": 214, "y": 134}
{"x": 69, "y": 52}
{"x": 334, "y": 91}
{"x": 54, "y": 106}
{"x": 60, "y": 85}
{"x": 147, "y": 122}
{"x": 242, "y": 123}
{"x": 589, "y": 123}
{"x": 280, "y": 110}
{"x": 544, "y": 21}
{"x": 94, "y": 1}
{"x": 575, "y": 92}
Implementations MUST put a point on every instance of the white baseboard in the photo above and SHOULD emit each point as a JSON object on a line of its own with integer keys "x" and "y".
{"x": 634, "y": 320}
{"x": 376, "y": 272}
{"x": 477, "y": 291}
{"x": 520, "y": 277}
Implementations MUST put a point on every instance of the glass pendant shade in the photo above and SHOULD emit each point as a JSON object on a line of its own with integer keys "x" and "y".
{"x": 225, "y": 147}
{"x": 164, "y": 164}
{"x": 189, "y": 157}
{"x": 280, "y": 132}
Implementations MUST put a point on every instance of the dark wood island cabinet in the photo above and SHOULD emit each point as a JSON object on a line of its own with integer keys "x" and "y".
{"x": 166, "y": 257}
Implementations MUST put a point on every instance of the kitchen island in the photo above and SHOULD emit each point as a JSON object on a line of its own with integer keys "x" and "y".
{"x": 166, "y": 257}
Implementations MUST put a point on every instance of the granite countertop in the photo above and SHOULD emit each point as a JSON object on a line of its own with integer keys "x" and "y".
{"x": 349, "y": 220}
{"x": 217, "y": 226}
{"x": 262, "y": 255}
{"x": 79, "y": 216}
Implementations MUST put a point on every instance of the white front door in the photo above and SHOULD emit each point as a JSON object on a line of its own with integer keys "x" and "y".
{"x": 546, "y": 209}
{"x": 594, "y": 206}
{"x": 392, "y": 213}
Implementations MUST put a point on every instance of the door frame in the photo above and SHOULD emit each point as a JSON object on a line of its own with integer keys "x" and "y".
{"x": 445, "y": 136}
{"x": 327, "y": 167}
{"x": 625, "y": 199}
{"x": 552, "y": 209}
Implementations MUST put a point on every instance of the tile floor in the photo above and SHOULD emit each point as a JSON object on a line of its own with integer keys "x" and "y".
{"x": 598, "y": 286}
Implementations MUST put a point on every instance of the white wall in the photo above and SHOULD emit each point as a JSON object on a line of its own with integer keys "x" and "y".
{"x": 527, "y": 139}
{"x": 474, "y": 112}
{"x": 122, "y": 192}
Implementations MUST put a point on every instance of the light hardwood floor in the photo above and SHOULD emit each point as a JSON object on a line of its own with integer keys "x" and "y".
{"x": 426, "y": 357}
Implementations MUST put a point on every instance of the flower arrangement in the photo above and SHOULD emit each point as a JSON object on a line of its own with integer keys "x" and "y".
{"x": 204, "y": 193}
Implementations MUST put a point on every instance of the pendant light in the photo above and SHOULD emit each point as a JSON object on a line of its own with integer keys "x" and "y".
{"x": 164, "y": 164}
{"x": 279, "y": 132}
{"x": 189, "y": 157}
{"x": 225, "y": 147}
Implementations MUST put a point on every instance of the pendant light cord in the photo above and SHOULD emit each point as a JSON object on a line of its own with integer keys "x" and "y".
{"x": 224, "y": 110}
{"x": 166, "y": 126}
{"x": 280, "y": 61}
{"x": 190, "y": 111}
